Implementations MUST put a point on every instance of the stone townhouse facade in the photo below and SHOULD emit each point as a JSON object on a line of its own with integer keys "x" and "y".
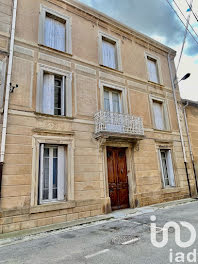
{"x": 92, "y": 126}
{"x": 190, "y": 109}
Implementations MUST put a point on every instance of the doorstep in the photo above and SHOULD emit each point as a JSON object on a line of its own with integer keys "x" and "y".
{"x": 12, "y": 237}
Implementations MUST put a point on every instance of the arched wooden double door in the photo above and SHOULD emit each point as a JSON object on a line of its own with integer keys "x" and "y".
{"x": 117, "y": 178}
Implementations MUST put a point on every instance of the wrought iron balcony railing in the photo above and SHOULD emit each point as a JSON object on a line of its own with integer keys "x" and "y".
{"x": 118, "y": 124}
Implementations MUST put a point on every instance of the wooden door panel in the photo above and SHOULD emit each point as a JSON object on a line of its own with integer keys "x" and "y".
{"x": 117, "y": 177}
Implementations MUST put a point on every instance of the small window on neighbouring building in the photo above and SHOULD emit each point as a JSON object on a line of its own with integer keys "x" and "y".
{"x": 153, "y": 70}
{"x": 55, "y": 32}
{"x": 109, "y": 51}
{"x": 52, "y": 173}
{"x": 112, "y": 101}
{"x": 168, "y": 177}
{"x": 53, "y": 94}
{"x": 158, "y": 112}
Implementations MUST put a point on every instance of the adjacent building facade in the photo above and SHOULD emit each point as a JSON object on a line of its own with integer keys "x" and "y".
{"x": 92, "y": 126}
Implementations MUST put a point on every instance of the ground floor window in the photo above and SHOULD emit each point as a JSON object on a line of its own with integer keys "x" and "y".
{"x": 52, "y": 173}
{"x": 168, "y": 177}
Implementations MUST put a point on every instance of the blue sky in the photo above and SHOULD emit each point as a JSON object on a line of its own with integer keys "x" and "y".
{"x": 156, "y": 19}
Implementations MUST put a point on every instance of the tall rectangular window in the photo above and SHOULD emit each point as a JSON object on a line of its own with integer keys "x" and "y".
{"x": 153, "y": 70}
{"x": 159, "y": 118}
{"x": 112, "y": 101}
{"x": 109, "y": 53}
{"x": 53, "y": 94}
{"x": 167, "y": 168}
{"x": 55, "y": 32}
{"x": 52, "y": 173}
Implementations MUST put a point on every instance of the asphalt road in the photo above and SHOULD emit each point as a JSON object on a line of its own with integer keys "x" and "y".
{"x": 116, "y": 241}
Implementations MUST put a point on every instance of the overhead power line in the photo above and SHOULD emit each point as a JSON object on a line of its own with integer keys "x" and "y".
{"x": 185, "y": 35}
{"x": 182, "y": 21}
{"x": 190, "y": 7}
{"x": 185, "y": 18}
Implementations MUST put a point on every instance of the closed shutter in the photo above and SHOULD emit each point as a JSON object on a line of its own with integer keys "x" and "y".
{"x": 153, "y": 71}
{"x": 61, "y": 173}
{"x": 158, "y": 115}
{"x": 48, "y": 94}
{"x": 68, "y": 96}
{"x": 41, "y": 174}
{"x": 170, "y": 170}
{"x": 55, "y": 32}
{"x": 109, "y": 54}
{"x": 63, "y": 99}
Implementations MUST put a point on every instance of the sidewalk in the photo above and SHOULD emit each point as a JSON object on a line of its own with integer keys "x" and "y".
{"x": 10, "y": 238}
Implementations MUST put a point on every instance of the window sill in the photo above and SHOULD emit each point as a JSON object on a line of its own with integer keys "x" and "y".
{"x": 156, "y": 84}
{"x": 52, "y": 207}
{"x": 55, "y": 50}
{"x": 171, "y": 189}
{"x": 109, "y": 68}
{"x": 53, "y": 116}
{"x": 161, "y": 131}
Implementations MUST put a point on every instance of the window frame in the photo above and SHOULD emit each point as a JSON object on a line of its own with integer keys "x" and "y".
{"x": 165, "y": 113}
{"x": 120, "y": 89}
{"x": 117, "y": 42}
{"x": 158, "y": 65}
{"x": 63, "y": 180}
{"x": 68, "y": 28}
{"x": 111, "y": 91}
{"x": 172, "y": 165}
{"x": 68, "y": 88}
{"x": 68, "y": 143}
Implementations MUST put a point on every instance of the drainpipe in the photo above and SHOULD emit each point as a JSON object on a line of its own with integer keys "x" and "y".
{"x": 7, "y": 95}
{"x": 179, "y": 123}
{"x": 190, "y": 146}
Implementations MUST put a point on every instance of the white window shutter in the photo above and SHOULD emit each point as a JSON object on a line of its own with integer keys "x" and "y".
{"x": 161, "y": 166}
{"x": 158, "y": 115}
{"x": 48, "y": 94}
{"x": 170, "y": 170}
{"x": 41, "y": 174}
{"x": 109, "y": 54}
{"x": 69, "y": 96}
{"x": 61, "y": 173}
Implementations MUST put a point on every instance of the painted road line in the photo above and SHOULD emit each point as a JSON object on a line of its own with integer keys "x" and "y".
{"x": 97, "y": 253}
{"x": 131, "y": 241}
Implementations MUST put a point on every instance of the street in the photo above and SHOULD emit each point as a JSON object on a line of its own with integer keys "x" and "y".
{"x": 122, "y": 240}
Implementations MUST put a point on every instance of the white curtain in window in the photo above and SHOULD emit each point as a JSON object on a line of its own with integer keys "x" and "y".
{"x": 158, "y": 115}
{"x": 116, "y": 102}
{"x": 170, "y": 170}
{"x": 106, "y": 101}
{"x": 153, "y": 71}
{"x": 61, "y": 173}
{"x": 48, "y": 94}
{"x": 109, "y": 54}
{"x": 55, "y": 34}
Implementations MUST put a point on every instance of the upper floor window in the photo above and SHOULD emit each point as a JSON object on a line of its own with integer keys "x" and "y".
{"x": 54, "y": 92}
{"x": 55, "y": 30}
{"x": 153, "y": 70}
{"x": 52, "y": 173}
{"x": 159, "y": 113}
{"x": 112, "y": 101}
{"x": 109, "y": 51}
{"x": 168, "y": 177}
{"x": 159, "y": 117}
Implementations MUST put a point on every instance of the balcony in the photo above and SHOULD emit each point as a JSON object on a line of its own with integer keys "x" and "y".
{"x": 120, "y": 126}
